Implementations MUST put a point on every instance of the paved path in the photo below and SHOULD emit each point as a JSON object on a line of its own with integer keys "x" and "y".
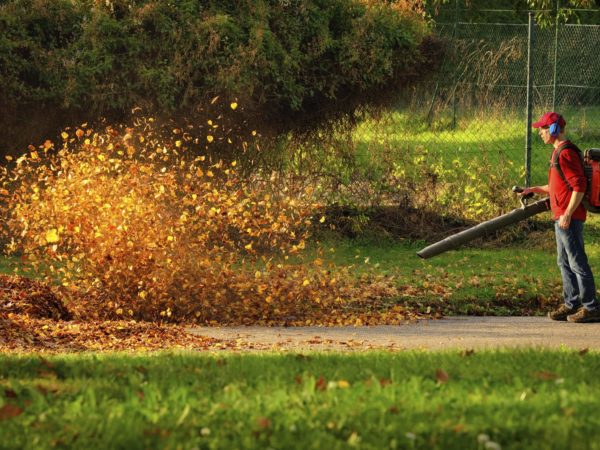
{"x": 453, "y": 332}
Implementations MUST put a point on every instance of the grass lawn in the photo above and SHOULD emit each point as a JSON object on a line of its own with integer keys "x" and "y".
{"x": 495, "y": 137}
{"x": 516, "y": 399}
{"x": 469, "y": 281}
{"x": 520, "y": 278}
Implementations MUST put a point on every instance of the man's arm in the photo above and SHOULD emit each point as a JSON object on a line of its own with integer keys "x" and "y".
{"x": 536, "y": 190}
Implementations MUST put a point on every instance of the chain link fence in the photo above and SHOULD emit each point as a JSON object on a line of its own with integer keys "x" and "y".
{"x": 476, "y": 109}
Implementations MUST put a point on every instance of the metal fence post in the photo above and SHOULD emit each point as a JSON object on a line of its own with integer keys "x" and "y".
{"x": 530, "y": 42}
{"x": 554, "y": 81}
{"x": 456, "y": 18}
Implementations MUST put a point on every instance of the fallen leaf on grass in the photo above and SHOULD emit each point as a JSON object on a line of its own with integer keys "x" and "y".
{"x": 442, "y": 376}
{"x": 9, "y": 411}
{"x": 545, "y": 375}
{"x": 321, "y": 384}
{"x": 263, "y": 423}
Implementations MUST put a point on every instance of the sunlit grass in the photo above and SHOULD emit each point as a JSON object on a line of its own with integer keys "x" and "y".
{"x": 482, "y": 278}
{"x": 496, "y": 136}
{"x": 516, "y": 399}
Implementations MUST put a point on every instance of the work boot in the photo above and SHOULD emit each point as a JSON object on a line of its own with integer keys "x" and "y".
{"x": 585, "y": 316}
{"x": 562, "y": 312}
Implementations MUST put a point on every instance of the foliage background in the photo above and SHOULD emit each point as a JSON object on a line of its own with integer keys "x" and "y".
{"x": 291, "y": 64}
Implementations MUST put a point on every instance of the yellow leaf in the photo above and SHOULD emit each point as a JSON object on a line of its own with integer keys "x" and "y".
{"x": 210, "y": 138}
{"x": 343, "y": 384}
{"x": 64, "y": 135}
{"x": 142, "y": 294}
{"x": 305, "y": 283}
{"x": 52, "y": 236}
{"x": 322, "y": 219}
{"x": 177, "y": 143}
{"x": 249, "y": 246}
{"x": 233, "y": 105}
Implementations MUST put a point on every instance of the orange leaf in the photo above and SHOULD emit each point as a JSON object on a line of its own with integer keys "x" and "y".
{"x": 9, "y": 411}
{"x": 442, "y": 376}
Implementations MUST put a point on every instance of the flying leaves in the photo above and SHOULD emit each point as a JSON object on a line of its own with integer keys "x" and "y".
{"x": 133, "y": 224}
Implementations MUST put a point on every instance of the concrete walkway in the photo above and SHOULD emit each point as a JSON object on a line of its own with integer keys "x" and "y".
{"x": 453, "y": 332}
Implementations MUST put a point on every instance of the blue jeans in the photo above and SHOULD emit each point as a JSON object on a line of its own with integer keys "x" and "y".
{"x": 578, "y": 281}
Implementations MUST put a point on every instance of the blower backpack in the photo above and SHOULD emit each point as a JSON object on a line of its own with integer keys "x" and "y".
{"x": 591, "y": 166}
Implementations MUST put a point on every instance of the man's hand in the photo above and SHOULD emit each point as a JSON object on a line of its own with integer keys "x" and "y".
{"x": 532, "y": 190}
{"x": 564, "y": 221}
{"x": 526, "y": 191}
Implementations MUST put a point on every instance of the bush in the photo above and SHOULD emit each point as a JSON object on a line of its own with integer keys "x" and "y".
{"x": 292, "y": 64}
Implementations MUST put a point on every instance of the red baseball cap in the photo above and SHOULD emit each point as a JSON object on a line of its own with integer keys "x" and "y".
{"x": 549, "y": 118}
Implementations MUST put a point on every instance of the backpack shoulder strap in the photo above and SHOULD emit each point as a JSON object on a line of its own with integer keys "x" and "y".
{"x": 556, "y": 160}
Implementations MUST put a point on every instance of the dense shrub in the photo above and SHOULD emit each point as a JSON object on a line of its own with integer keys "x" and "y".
{"x": 291, "y": 63}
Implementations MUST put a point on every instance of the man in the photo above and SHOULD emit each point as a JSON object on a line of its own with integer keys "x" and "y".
{"x": 566, "y": 188}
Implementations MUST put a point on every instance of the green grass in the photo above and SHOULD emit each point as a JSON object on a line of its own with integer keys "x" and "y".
{"x": 8, "y": 265}
{"x": 5, "y": 265}
{"x": 495, "y": 136}
{"x": 519, "y": 278}
{"x": 501, "y": 281}
{"x": 519, "y": 399}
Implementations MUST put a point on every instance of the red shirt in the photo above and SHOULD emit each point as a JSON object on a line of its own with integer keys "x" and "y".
{"x": 560, "y": 192}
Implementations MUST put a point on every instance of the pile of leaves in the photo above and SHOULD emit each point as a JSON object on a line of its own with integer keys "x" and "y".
{"x": 33, "y": 318}
{"x": 23, "y": 296}
{"x": 24, "y": 333}
{"x": 133, "y": 223}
